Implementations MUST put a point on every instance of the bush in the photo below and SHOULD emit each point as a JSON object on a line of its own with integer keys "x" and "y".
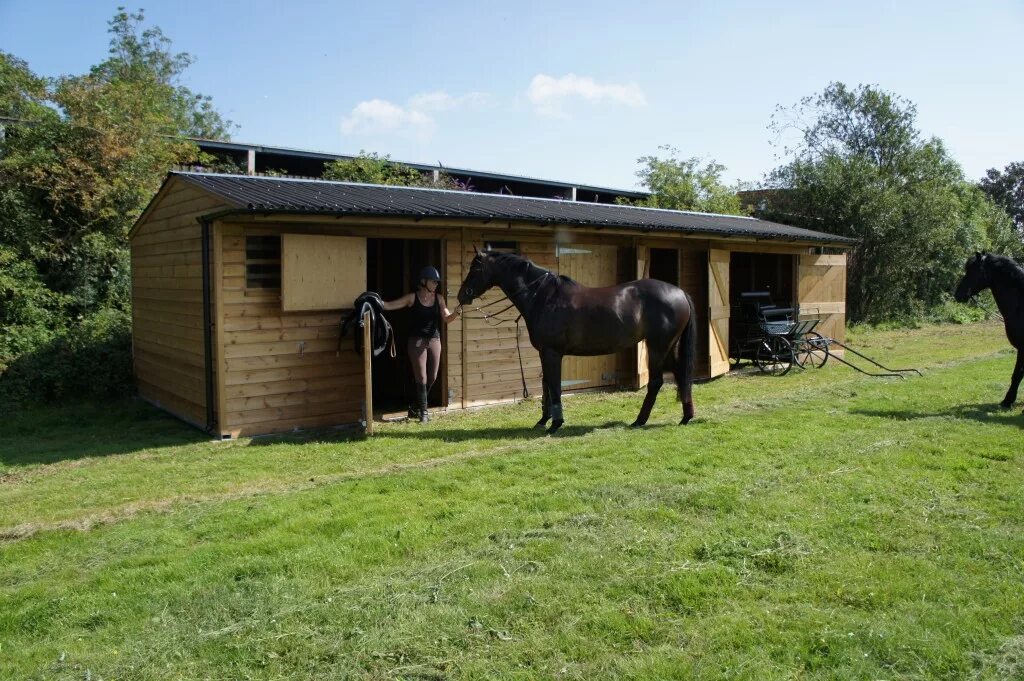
{"x": 953, "y": 312}
{"x": 91, "y": 359}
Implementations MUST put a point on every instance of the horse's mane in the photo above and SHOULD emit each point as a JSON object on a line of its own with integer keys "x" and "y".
{"x": 514, "y": 260}
{"x": 1005, "y": 268}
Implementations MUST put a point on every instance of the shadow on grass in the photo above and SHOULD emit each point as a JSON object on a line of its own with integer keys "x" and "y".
{"x": 436, "y": 432}
{"x": 41, "y": 435}
{"x": 982, "y": 413}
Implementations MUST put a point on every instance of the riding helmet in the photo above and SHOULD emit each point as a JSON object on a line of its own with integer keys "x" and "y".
{"x": 429, "y": 273}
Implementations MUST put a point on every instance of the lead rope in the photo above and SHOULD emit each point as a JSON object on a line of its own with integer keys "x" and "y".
{"x": 488, "y": 317}
{"x": 522, "y": 373}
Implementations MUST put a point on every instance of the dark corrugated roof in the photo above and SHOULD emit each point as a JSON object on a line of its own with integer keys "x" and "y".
{"x": 466, "y": 172}
{"x": 274, "y": 194}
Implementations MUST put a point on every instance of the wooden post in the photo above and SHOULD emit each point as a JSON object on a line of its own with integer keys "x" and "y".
{"x": 368, "y": 373}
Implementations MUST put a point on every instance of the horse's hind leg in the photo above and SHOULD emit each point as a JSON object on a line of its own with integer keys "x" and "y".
{"x": 655, "y": 365}
{"x": 1018, "y": 373}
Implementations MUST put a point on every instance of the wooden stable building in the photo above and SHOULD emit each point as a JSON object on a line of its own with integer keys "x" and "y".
{"x": 239, "y": 283}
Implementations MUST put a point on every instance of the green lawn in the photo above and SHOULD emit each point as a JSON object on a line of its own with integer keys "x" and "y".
{"x": 817, "y": 525}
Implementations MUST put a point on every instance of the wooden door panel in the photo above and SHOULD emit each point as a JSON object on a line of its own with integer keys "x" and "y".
{"x": 821, "y": 292}
{"x": 718, "y": 311}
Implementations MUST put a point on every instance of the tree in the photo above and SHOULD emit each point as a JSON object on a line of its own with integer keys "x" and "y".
{"x": 371, "y": 168}
{"x": 684, "y": 184}
{"x": 83, "y": 158}
{"x": 861, "y": 169}
{"x": 93, "y": 152}
{"x": 1007, "y": 190}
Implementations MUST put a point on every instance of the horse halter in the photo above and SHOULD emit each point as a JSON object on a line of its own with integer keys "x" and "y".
{"x": 983, "y": 276}
{"x": 488, "y": 316}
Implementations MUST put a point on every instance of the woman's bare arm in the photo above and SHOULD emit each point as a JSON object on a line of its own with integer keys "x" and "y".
{"x": 447, "y": 316}
{"x": 399, "y": 303}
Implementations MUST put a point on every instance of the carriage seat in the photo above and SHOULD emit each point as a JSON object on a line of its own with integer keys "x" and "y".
{"x": 758, "y": 306}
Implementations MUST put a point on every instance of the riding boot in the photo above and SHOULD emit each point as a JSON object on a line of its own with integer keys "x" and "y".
{"x": 414, "y": 404}
{"x": 424, "y": 412}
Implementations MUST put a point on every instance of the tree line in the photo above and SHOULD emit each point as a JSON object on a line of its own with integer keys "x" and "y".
{"x": 82, "y": 155}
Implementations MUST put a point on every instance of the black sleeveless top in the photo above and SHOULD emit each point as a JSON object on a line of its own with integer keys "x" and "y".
{"x": 425, "y": 319}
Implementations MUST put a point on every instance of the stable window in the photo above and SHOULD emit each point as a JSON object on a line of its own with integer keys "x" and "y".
{"x": 263, "y": 262}
{"x": 502, "y": 246}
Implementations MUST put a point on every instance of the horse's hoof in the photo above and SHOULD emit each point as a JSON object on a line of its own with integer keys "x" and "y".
{"x": 688, "y": 413}
{"x": 1005, "y": 405}
{"x": 638, "y": 424}
{"x": 555, "y": 425}
{"x": 540, "y": 424}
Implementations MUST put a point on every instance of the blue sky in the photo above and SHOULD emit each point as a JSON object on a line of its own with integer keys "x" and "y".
{"x": 564, "y": 90}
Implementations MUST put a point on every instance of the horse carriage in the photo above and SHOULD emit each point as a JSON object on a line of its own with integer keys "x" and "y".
{"x": 769, "y": 336}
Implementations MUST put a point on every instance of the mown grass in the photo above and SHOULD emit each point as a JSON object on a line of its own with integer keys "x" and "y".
{"x": 818, "y": 525}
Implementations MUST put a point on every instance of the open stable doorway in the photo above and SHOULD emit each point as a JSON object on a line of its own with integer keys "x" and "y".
{"x": 392, "y": 270}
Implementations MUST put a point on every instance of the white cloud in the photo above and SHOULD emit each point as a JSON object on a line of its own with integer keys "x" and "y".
{"x": 417, "y": 118}
{"x": 549, "y": 94}
{"x": 442, "y": 101}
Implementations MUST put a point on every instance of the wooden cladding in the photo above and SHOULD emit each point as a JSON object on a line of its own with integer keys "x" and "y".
{"x": 321, "y": 272}
{"x": 168, "y": 352}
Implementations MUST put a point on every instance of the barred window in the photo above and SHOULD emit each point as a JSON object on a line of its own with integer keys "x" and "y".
{"x": 263, "y": 262}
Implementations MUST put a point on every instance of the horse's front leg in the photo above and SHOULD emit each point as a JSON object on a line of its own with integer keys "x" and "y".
{"x": 1018, "y": 373}
{"x": 551, "y": 365}
{"x": 545, "y": 413}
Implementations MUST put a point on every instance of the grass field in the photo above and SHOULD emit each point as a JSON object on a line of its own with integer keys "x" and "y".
{"x": 821, "y": 525}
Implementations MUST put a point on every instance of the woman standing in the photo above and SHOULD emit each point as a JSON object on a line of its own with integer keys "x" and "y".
{"x": 429, "y": 309}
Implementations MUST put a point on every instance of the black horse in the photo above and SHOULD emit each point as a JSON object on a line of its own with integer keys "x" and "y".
{"x": 1006, "y": 279}
{"x": 567, "y": 318}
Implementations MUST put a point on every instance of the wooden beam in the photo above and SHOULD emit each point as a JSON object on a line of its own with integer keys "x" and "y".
{"x": 367, "y": 373}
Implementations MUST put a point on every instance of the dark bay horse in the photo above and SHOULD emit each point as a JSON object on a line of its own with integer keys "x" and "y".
{"x": 567, "y": 318}
{"x": 1006, "y": 279}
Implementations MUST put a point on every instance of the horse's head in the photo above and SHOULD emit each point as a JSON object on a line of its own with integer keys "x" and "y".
{"x": 975, "y": 278}
{"x": 479, "y": 279}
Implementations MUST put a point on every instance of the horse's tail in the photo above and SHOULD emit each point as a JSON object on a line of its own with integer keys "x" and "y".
{"x": 686, "y": 354}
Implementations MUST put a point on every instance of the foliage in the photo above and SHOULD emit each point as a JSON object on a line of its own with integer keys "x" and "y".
{"x": 28, "y": 308}
{"x": 90, "y": 358}
{"x": 686, "y": 184}
{"x": 1006, "y": 188}
{"x": 88, "y": 153}
{"x": 821, "y": 525}
{"x": 861, "y": 169}
{"x": 371, "y": 168}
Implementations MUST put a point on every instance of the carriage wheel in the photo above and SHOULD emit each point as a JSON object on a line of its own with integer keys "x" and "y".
{"x": 813, "y": 350}
{"x": 774, "y": 356}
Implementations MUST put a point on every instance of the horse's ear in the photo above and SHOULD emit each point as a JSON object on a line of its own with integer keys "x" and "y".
{"x": 476, "y": 251}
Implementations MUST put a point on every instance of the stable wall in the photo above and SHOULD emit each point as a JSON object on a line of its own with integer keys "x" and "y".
{"x": 168, "y": 354}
